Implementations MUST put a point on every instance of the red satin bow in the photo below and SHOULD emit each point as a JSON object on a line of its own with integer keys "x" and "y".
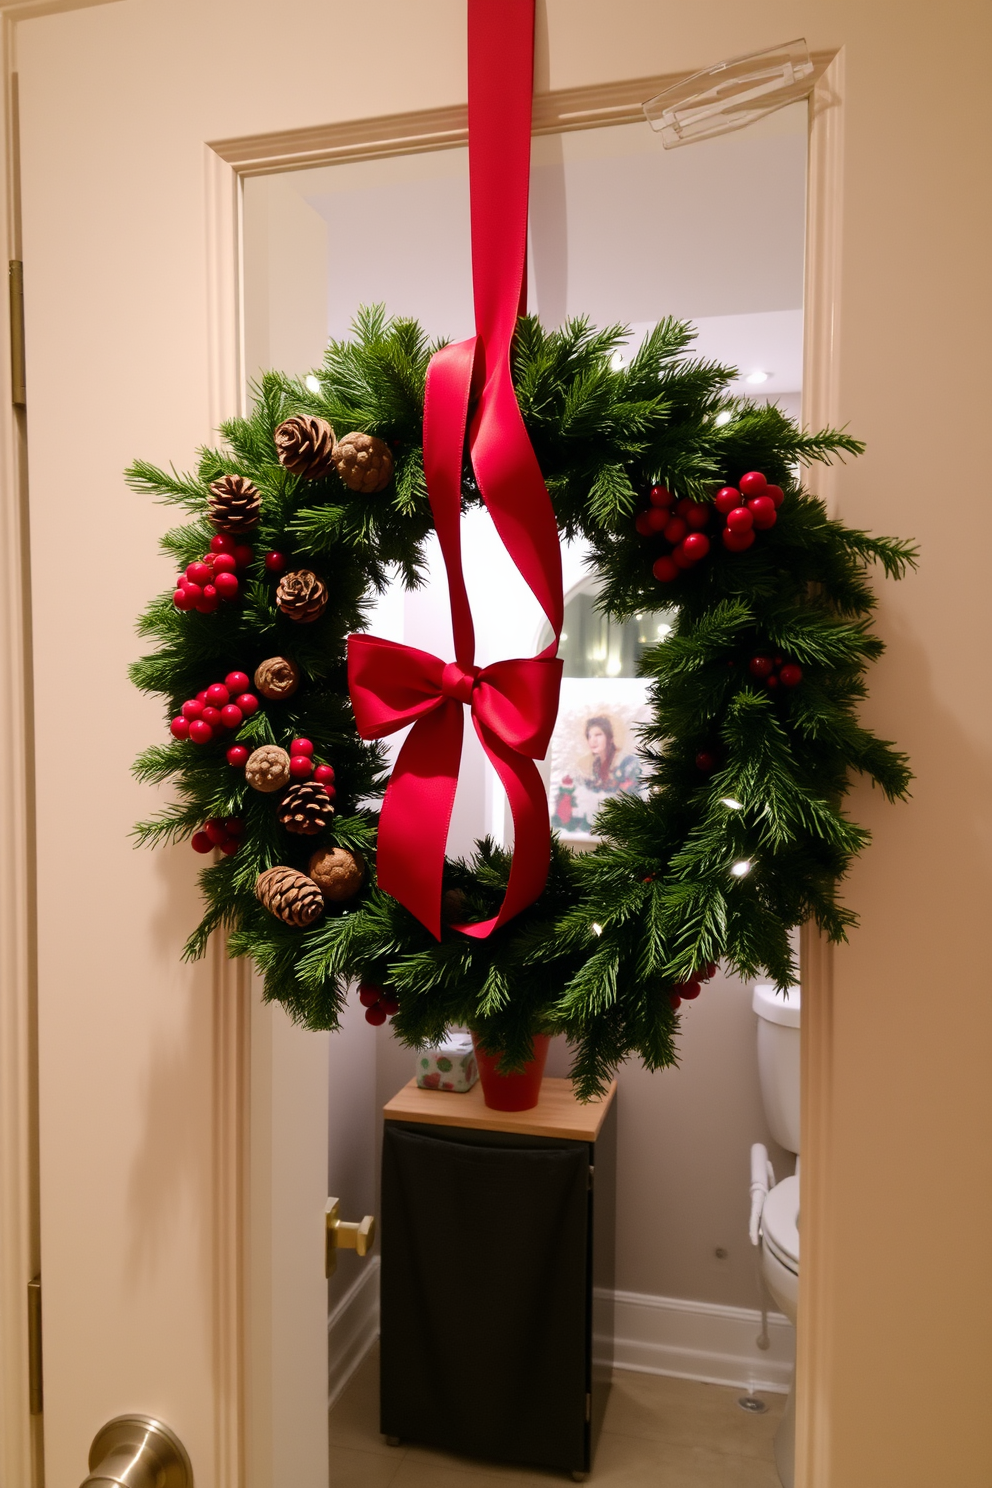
{"x": 514, "y": 703}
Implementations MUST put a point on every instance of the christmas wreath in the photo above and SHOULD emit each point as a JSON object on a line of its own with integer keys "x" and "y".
{"x": 688, "y": 497}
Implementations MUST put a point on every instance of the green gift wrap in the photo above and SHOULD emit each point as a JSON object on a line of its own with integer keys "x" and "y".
{"x": 448, "y": 1066}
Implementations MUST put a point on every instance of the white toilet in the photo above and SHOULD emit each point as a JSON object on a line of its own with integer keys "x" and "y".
{"x": 775, "y": 1206}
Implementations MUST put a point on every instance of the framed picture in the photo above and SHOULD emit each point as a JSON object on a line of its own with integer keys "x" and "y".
{"x": 595, "y": 751}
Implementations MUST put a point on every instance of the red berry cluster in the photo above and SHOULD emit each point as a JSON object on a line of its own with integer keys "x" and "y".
{"x": 773, "y": 670}
{"x": 226, "y": 835}
{"x": 222, "y": 706}
{"x": 212, "y": 577}
{"x": 377, "y": 1002}
{"x": 692, "y": 988}
{"x": 747, "y": 508}
{"x": 301, "y": 766}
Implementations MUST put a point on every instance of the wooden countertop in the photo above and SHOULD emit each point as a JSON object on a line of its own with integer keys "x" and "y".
{"x": 557, "y": 1114}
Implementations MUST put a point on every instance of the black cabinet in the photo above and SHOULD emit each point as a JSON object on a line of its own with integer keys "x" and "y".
{"x": 497, "y": 1279}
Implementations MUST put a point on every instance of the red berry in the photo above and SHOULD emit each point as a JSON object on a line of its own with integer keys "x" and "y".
{"x": 656, "y": 519}
{"x": 675, "y": 530}
{"x": 275, "y": 562}
{"x": 198, "y": 573}
{"x": 201, "y": 697}
{"x": 193, "y": 594}
{"x": 229, "y": 847}
{"x": 211, "y": 716}
{"x": 331, "y": 792}
{"x": 369, "y": 994}
{"x": 200, "y": 732}
{"x": 218, "y": 695}
{"x": 226, "y": 585}
{"x": 737, "y": 542}
{"x": 243, "y": 555}
{"x": 236, "y": 682}
{"x": 761, "y": 666}
{"x": 665, "y": 570}
{"x": 790, "y": 675}
{"x": 216, "y": 831}
{"x": 192, "y": 709}
{"x": 301, "y": 746}
{"x": 682, "y": 506}
{"x": 762, "y": 509}
{"x": 680, "y": 557}
{"x": 660, "y": 495}
{"x": 696, "y": 546}
{"x": 389, "y": 1005}
{"x": 324, "y": 774}
{"x": 181, "y": 599}
{"x": 709, "y": 970}
{"x": 248, "y": 703}
{"x": 234, "y": 826}
{"x": 642, "y": 523}
{"x": 375, "y": 1015}
{"x": 689, "y": 989}
{"x": 706, "y": 761}
{"x": 210, "y": 600}
{"x": 752, "y": 484}
{"x": 776, "y": 493}
{"x": 237, "y": 756}
{"x": 231, "y": 716}
{"x": 300, "y": 767}
{"x": 726, "y": 499}
{"x": 221, "y": 543}
{"x": 224, "y": 563}
{"x": 179, "y": 728}
{"x": 201, "y": 843}
{"x": 740, "y": 519}
{"x": 675, "y": 999}
{"x": 697, "y": 516}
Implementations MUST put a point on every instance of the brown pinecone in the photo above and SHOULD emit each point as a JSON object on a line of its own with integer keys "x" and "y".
{"x": 301, "y": 596}
{"x": 277, "y": 678}
{"x": 337, "y": 872}
{"x": 305, "y": 808}
{"x": 363, "y": 462}
{"x": 234, "y": 504}
{"x": 290, "y": 896}
{"x": 304, "y": 445}
{"x": 267, "y": 768}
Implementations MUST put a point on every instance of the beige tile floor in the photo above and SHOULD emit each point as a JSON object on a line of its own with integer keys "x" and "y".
{"x": 669, "y": 1432}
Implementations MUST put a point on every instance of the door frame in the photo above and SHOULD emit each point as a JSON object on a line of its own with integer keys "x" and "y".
{"x": 226, "y": 164}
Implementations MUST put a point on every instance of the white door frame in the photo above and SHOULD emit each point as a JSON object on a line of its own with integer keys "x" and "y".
{"x": 226, "y": 163}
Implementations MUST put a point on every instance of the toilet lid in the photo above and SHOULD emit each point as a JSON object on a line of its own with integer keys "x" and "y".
{"x": 780, "y": 1222}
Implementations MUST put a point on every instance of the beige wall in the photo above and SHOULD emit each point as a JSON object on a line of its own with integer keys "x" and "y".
{"x": 901, "y": 1309}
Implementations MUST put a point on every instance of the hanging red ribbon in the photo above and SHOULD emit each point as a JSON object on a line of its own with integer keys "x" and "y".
{"x": 514, "y": 703}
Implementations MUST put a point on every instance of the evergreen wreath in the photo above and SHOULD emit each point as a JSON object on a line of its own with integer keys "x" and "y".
{"x": 753, "y": 738}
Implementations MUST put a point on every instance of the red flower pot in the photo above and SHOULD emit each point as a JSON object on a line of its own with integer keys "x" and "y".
{"x": 516, "y": 1092}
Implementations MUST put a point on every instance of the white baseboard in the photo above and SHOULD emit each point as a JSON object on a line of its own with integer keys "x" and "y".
{"x": 352, "y": 1329}
{"x": 702, "y": 1341}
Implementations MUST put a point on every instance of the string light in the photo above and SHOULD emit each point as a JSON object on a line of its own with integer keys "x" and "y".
{"x": 731, "y": 804}
{"x": 596, "y": 929}
{"x": 312, "y": 383}
{"x": 742, "y": 868}
{"x": 723, "y": 418}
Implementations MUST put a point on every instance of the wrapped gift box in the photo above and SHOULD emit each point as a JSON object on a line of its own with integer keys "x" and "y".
{"x": 448, "y": 1066}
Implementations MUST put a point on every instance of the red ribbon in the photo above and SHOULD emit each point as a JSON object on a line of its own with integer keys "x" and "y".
{"x": 514, "y": 703}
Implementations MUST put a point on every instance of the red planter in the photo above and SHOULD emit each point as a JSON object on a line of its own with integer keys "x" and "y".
{"x": 517, "y": 1092}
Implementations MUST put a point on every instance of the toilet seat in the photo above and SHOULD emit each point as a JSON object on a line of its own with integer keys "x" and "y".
{"x": 780, "y": 1223}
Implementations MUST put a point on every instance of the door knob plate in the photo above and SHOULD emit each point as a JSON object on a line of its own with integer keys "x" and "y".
{"x": 138, "y": 1452}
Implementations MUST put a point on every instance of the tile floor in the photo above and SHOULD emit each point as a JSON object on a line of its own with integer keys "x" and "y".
{"x": 669, "y": 1432}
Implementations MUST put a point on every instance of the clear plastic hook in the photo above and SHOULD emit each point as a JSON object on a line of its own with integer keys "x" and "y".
{"x": 731, "y": 94}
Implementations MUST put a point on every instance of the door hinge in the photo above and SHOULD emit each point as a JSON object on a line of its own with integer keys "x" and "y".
{"x": 35, "y": 1390}
{"x": 18, "y": 391}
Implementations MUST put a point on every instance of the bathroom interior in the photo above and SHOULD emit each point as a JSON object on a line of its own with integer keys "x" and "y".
{"x": 706, "y": 1258}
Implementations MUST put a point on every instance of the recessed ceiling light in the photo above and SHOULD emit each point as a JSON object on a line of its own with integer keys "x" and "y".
{"x": 313, "y": 383}
{"x": 757, "y": 377}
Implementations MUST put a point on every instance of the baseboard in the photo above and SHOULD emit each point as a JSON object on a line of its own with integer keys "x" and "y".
{"x": 352, "y": 1329}
{"x": 702, "y": 1341}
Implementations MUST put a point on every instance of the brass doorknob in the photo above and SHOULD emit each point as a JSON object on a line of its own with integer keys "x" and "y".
{"x": 343, "y": 1234}
{"x": 138, "y": 1452}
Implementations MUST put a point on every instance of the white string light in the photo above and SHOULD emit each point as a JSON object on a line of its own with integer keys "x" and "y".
{"x": 741, "y": 868}
{"x": 731, "y": 804}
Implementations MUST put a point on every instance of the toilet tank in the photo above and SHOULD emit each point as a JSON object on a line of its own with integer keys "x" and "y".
{"x": 778, "y": 1061}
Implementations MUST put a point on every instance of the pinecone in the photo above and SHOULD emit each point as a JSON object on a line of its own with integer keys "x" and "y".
{"x": 301, "y": 596}
{"x": 305, "y": 808}
{"x": 337, "y": 872}
{"x": 363, "y": 462}
{"x": 290, "y": 896}
{"x": 277, "y": 678}
{"x": 267, "y": 768}
{"x": 304, "y": 445}
{"x": 234, "y": 504}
